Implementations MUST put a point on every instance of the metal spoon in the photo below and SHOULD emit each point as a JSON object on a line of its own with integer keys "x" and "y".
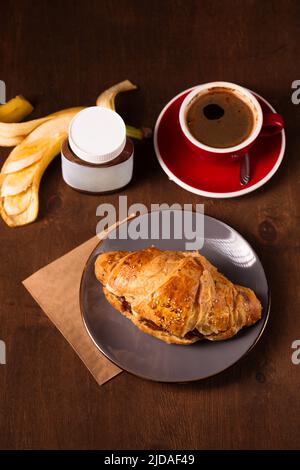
{"x": 245, "y": 169}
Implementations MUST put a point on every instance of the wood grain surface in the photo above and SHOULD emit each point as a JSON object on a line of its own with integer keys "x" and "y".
{"x": 63, "y": 53}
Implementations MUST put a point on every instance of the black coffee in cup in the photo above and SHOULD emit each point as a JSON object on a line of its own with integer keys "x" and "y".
{"x": 220, "y": 118}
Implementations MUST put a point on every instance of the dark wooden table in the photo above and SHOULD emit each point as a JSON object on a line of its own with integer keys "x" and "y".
{"x": 63, "y": 53}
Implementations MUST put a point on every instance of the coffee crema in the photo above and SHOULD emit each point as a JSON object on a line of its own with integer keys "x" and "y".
{"x": 219, "y": 118}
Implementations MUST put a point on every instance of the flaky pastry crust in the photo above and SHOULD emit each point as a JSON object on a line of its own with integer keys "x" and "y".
{"x": 178, "y": 297}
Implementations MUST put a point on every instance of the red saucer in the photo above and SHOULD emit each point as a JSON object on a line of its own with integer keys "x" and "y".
{"x": 212, "y": 177}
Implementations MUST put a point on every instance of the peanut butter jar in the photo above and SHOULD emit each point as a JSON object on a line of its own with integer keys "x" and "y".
{"x": 97, "y": 157}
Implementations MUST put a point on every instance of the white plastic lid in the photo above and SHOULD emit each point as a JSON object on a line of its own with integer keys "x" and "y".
{"x": 97, "y": 134}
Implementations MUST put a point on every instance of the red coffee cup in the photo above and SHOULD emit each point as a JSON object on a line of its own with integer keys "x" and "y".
{"x": 265, "y": 124}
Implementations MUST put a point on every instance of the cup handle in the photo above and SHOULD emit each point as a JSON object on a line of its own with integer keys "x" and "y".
{"x": 272, "y": 124}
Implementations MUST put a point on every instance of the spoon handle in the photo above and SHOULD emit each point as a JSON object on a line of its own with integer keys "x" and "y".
{"x": 245, "y": 169}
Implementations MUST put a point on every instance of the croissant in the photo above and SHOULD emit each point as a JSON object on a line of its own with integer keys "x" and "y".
{"x": 178, "y": 297}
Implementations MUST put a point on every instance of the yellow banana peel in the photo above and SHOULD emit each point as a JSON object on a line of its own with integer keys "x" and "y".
{"x": 107, "y": 100}
{"x": 107, "y": 97}
{"x": 25, "y": 217}
{"x": 32, "y": 147}
{"x": 14, "y": 205}
{"x": 11, "y": 113}
{"x": 19, "y": 190}
{"x": 14, "y": 130}
{"x": 15, "y": 183}
{"x": 15, "y": 110}
{"x": 24, "y": 155}
{"x": 11, "y": 141}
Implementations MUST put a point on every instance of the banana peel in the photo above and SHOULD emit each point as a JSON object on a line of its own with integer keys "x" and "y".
{"x": 15, "y": 110}
{"x": 11, "y": 113}
{"x": 11, "y": 141}
{"x": 107, "y": 97}
{"x": 15, "y": 205}
{"x": 37, "y": 142}
{"x": 19, "y": 190}
{"x": 23, "y": 156}
{"x": 26, "y": 216}
{"x": 32, "y": 148}
{"x": 15, "y": 183}
{"x": 21, "y": 129}
{"x": 107, "y": 100}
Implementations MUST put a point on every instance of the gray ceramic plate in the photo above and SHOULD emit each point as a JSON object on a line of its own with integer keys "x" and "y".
{"x": 150, "y": 358}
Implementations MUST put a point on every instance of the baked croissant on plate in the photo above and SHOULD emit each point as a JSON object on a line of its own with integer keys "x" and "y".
{"x": 178, "y": 297}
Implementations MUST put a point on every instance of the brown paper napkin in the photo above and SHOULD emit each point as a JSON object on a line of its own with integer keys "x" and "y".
{"x": 56, "y": 289}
